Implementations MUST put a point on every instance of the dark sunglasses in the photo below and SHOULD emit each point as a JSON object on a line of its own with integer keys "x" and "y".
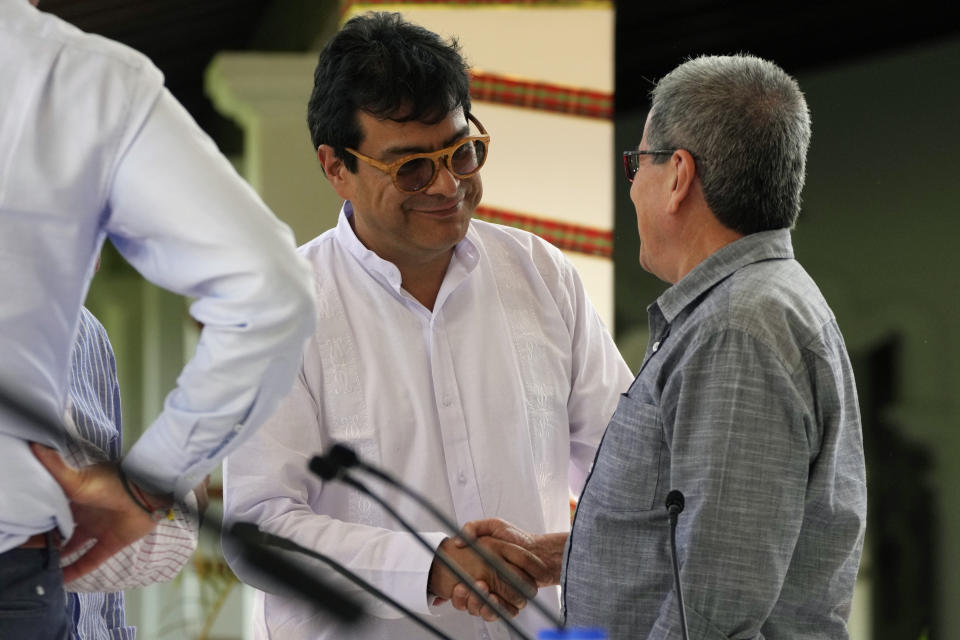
{"x": 418, "y": 171}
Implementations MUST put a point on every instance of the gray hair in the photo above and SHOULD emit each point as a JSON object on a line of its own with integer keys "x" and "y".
{"x": 747, "y": 125}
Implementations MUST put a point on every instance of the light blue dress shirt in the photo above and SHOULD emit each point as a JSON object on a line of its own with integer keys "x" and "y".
{"x": 92, "y": 146}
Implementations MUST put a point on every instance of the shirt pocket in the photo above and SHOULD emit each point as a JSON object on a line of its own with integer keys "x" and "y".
{"x": 626, "y": 475}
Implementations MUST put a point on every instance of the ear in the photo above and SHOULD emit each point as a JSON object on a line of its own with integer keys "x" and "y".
{"x": 337, "y": 173}
{"x": 684, "y": 175}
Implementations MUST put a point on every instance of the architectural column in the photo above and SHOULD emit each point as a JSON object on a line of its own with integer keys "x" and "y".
{"x": 266, "y": 95}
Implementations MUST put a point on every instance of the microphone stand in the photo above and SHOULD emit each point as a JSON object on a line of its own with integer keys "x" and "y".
{"x": 331, "y": 470}
{"x": 344, "y": 457}
{"x": 53, "y": 429}
{"x": 270, "y": 563}
{"x": 675, "y": 503}
{"x": 250, "y": 531}
{"x": 286, "y": 576}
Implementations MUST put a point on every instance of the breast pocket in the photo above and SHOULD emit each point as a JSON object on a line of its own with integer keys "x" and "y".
{"x": 627, "y": 471}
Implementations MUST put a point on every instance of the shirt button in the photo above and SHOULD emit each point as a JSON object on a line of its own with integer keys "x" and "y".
{"x": 656, "y": 345}
{"x": 447, "y": 401}
{"x": 462, "y": 477}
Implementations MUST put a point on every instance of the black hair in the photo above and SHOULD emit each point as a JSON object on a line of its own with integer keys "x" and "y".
{"x": 390, "y": 68}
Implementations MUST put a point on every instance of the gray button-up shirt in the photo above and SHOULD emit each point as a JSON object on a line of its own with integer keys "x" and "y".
{"x": 746, "y": 403}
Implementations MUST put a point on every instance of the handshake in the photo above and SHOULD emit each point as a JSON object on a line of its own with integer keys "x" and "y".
{"x": 535, "y": 559}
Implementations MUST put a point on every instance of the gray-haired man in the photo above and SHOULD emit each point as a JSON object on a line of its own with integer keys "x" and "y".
{"x": 745, "y": 401}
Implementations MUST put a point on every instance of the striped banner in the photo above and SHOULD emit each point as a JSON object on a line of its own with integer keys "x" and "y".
{"x": 516, "y": 92}
{"x": 347, "y": 5}
{"x": 563, "y": 235}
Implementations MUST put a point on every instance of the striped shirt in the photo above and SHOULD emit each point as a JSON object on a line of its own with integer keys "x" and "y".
{"x": 94, "y": 601}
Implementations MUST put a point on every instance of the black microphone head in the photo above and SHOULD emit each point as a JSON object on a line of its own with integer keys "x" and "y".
{"x": 246, "y": 531}
{"x": 343, "y": 456}
{"x": 675, "y": 501}
{"x": 285, "y": 577}
{"x": 325, "y": 467}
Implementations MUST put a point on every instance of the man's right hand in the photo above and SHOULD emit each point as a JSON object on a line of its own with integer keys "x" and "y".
{"x": 522, "y": 562}
{"x": 102, "y": 510}
{"x": 548, "y": 548}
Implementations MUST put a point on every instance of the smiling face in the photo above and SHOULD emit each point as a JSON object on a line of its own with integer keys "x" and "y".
{"x": 410, "y": 228}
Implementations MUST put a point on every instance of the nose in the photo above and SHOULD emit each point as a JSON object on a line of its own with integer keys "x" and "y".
{"x": 446, "y": 183}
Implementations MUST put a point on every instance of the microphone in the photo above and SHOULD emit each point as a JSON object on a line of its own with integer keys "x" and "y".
{"x": 341, "y": 457}
{"x": 675, "y": 503}
{"x": 329, "y": 468}
{"x": 250, "y": 532}
{"x": 290, "y": 578}
{"x": 49, "y": 427}
{"x": 269, "y": 563}
{"x": 344, "y": 456}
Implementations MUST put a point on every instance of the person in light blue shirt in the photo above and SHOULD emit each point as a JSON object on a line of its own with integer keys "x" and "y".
{"x": 92, "y": 146}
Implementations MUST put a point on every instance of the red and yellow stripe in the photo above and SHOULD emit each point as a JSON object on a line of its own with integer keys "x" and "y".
{"x": 517, "y": 92}
{"x": 563, "y": 235}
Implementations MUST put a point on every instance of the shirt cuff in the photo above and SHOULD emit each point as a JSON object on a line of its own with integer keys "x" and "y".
{"x": 410, "y": 586}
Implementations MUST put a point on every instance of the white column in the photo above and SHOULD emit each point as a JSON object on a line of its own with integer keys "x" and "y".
{"x": 266, "y": 94}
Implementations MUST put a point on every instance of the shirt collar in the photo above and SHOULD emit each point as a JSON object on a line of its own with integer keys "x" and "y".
{"x": 755, "y": 247}
{"x": 465, "y": 254}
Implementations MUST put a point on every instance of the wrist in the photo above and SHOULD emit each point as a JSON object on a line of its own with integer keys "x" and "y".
{"x": 554, "y": 543}
{"x": 157, "y": 507}
{"x": 440, "y": 581}
{"x": 549, "y": 548}
{"x": 433, "y": 576}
